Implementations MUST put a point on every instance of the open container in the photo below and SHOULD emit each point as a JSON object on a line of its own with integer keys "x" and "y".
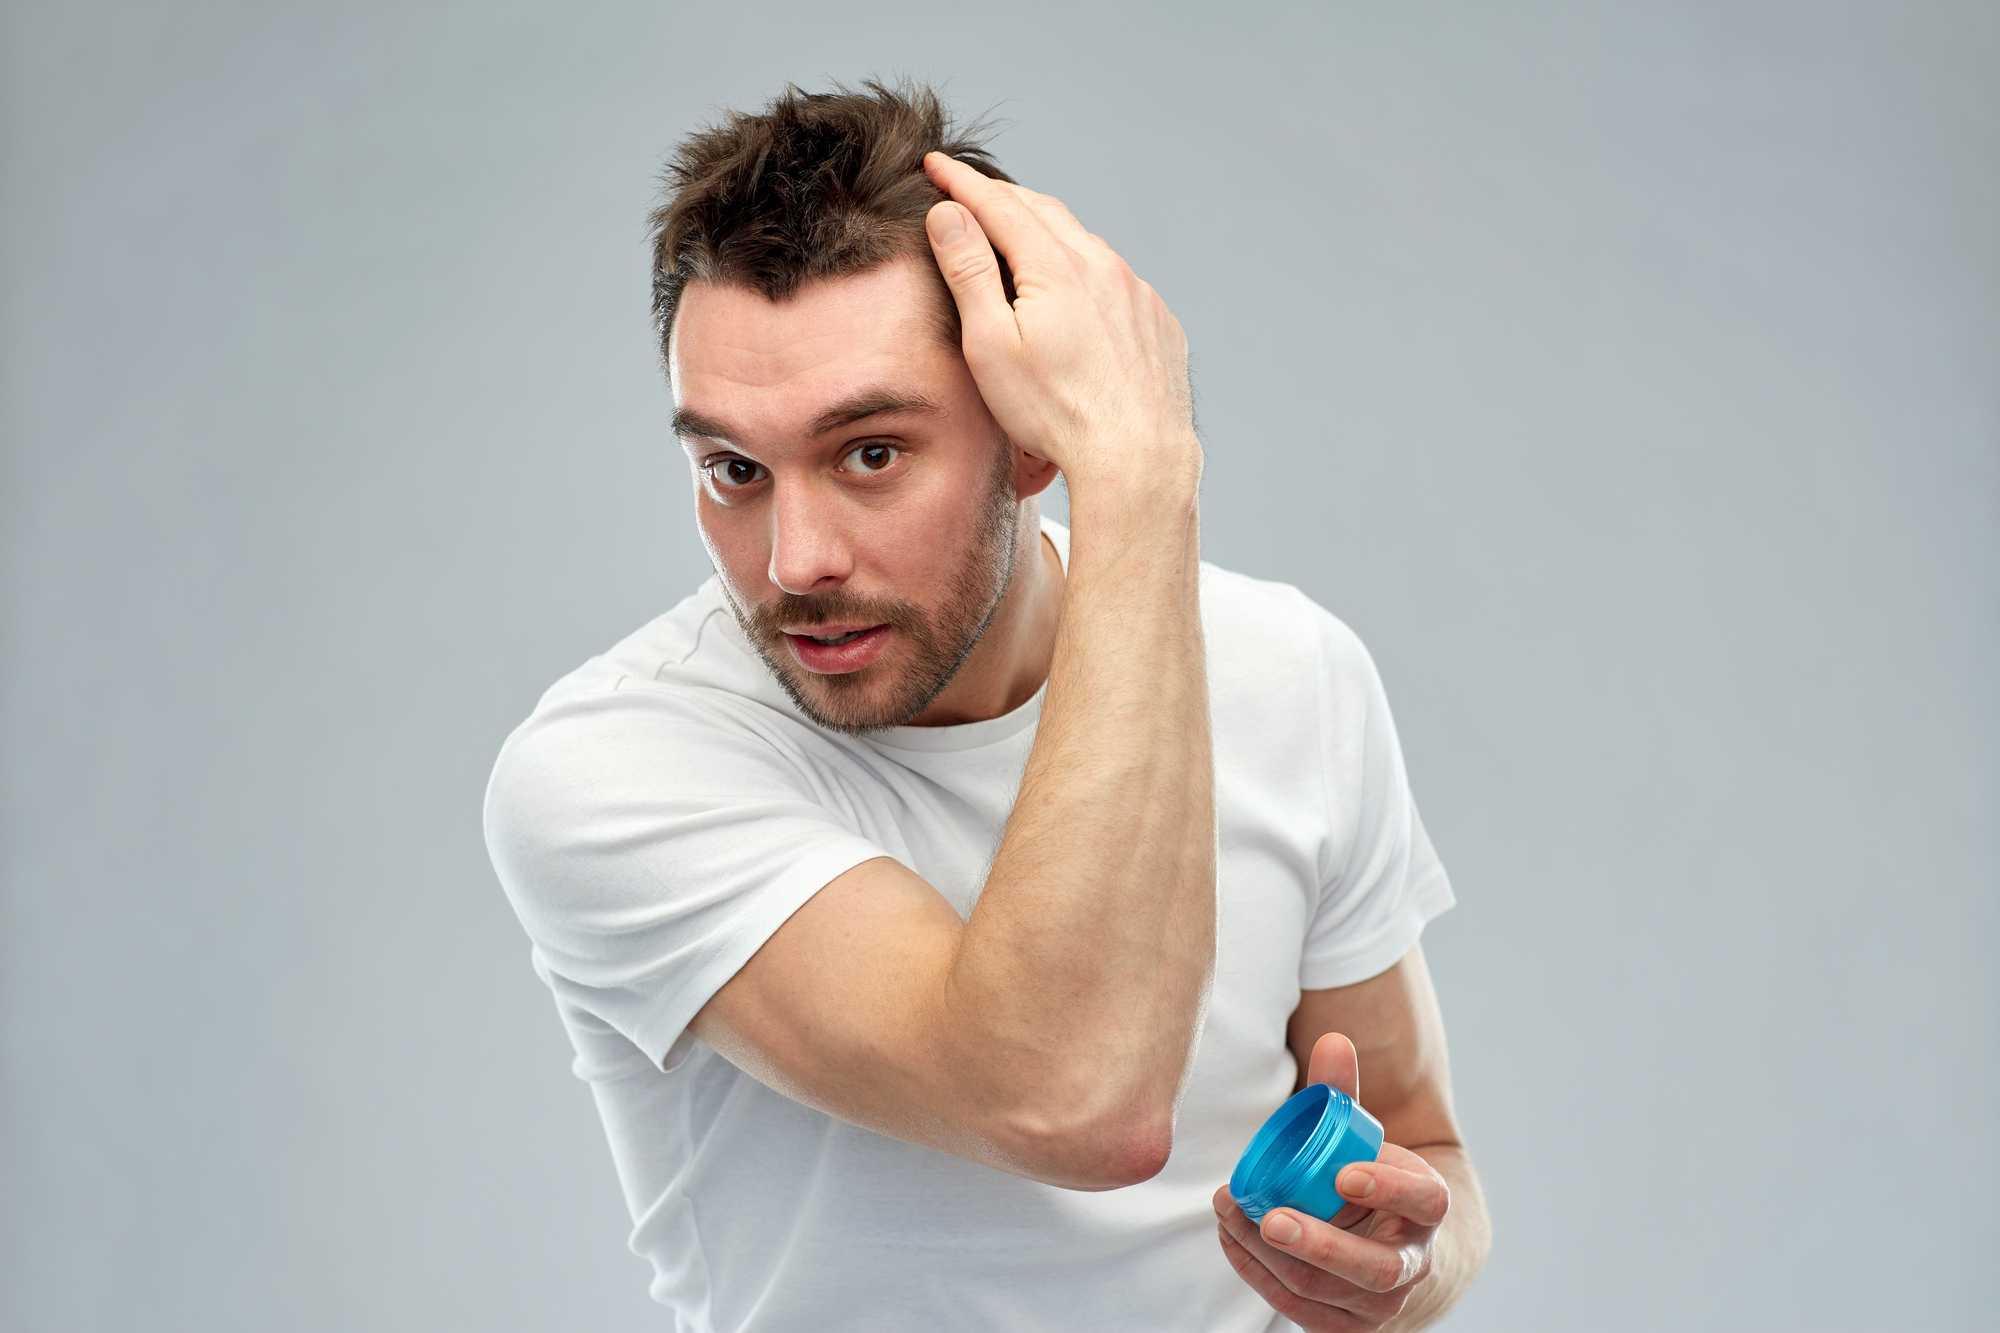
{"x": 1292, "y": 1161}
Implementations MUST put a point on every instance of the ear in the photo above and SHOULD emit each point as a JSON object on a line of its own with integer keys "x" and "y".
{"x": 1032, "y": 475}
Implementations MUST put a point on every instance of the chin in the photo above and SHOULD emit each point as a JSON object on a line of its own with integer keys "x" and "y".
{"x": 868, "y": 700}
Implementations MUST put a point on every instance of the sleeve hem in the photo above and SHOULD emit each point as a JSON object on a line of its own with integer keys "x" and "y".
{"x": 665, "y": 1025}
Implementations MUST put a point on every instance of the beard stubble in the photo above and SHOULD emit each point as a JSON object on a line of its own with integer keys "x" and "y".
{"x": 939, "y": 642}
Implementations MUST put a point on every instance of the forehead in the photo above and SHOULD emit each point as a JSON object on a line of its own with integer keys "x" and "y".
{"x": 766, "y": 366}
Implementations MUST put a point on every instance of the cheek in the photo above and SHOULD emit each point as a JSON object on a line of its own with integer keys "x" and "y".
{"x": 737, "y": 545}
{"x": 922, "y": 539}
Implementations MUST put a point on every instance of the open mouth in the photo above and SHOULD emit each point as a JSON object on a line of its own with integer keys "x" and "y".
{"x": 839, "y": 651}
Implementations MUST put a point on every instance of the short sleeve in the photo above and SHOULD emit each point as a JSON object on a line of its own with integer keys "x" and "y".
{"x": 1380, "y": 880}
{"x": 651, "y": 841}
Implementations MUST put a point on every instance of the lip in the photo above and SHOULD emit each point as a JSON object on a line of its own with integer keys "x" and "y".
{"x": 837, "y": 659}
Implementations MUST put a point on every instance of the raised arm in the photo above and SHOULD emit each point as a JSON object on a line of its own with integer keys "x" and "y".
{"x": 1048, "y": 1034}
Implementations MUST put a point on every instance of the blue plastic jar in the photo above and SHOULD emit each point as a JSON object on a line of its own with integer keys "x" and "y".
{"x": 1292, "y": 1161}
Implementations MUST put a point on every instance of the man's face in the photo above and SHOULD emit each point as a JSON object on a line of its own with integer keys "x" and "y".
{"x": 856, "y": 496}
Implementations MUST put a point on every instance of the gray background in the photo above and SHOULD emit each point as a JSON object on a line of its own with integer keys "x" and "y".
{"x": 1624, "y": 373}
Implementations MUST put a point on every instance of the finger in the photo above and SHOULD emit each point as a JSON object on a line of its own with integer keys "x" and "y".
{"x": 1301, "y": 1310}
{"x": 1056, "y": 215}
{"x": 1335, "y": 1063}
{"x": 1017, "y": 231}
{"x": 1296, "y": 1274}
{"x": 1368, "y": 1264}
{"x": 1260, "y": 1280}
{"x": 1230, "y": 1215}
{"x": 1423, "y": 1197}
{"x": 972, "y": 271}
{"x": 1315, "y": 1284}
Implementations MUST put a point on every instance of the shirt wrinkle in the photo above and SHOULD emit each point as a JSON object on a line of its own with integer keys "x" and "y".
{"x": 653, "y": 838}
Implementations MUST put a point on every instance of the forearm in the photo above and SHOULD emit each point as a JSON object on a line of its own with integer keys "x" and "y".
{"x": 1048, "y": 1033}
{"x": 1462, "y": 1243}
{"x": 1079, "y": 979}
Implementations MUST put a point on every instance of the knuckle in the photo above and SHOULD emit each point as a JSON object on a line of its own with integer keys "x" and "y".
{"x": 1009, "y": 213}
{"x": 1049, "y": 203}
{"x": 1384, "y": 1274}
{"x": 1324, "y": 1287}
{"x": 1317, "y": 1249}
{"x": 1288, "y": 1303}
{"x": 1381, "y": 1309}
{"x": 966, "y": 264}
{"x": 1421, "y": 1205}
{"x": 1391, "y": 1197}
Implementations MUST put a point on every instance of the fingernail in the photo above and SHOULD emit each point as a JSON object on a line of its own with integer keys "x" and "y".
{"x": 1357, "y": 1184}
{"x": 947, "y": 224}
{"x": 1282, "y": 1229}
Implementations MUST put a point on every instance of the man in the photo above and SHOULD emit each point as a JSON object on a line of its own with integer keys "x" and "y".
{"x": 938, "y": 899}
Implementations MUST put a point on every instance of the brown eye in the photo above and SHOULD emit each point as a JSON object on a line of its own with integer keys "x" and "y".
{"x": 872, "y": 457}
{"x": 734, "y": 472}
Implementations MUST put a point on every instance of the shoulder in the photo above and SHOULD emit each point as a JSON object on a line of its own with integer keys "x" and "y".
{"x": 691, "y": 644}
{"x": 694, "y": 659}
{"x": 1292, "y": 689}
{"x": 675, "y": 704}
{"x": 1271, "y": 634}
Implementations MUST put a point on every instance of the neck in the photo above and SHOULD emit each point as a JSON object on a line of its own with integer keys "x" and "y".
{"x": 1012, "y": 659}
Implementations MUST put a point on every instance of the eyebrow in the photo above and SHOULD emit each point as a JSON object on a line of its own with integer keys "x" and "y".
{"x": 868, "y": 403}
{"x": 694, "y": 423}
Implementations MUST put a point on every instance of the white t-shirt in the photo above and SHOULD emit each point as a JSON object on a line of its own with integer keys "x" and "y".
{"x": 666, "y": 808}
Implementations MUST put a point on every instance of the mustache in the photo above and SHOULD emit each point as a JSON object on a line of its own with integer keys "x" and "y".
{"x": 804, "y": 610}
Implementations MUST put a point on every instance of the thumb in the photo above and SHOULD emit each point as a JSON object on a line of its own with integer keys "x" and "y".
{"x": 972, "y": 270}
{"x": 1334, "y": 1062}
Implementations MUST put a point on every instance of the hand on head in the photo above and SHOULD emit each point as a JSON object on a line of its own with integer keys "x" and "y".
{"x": 1086, "y": 367}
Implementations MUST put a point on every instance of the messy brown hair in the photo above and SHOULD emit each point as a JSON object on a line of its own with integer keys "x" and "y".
{"x": 817, "y": 185}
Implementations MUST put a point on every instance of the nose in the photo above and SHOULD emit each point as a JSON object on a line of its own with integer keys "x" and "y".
{"x": 809, "y": 547}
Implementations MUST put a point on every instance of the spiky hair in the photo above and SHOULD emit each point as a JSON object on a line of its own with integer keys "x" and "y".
{"x": 817, "y": 185}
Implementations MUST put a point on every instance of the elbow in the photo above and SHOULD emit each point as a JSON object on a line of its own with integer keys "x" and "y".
{"x": 1093, "y": 1153}
{"x": 1138, "y": 1152}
